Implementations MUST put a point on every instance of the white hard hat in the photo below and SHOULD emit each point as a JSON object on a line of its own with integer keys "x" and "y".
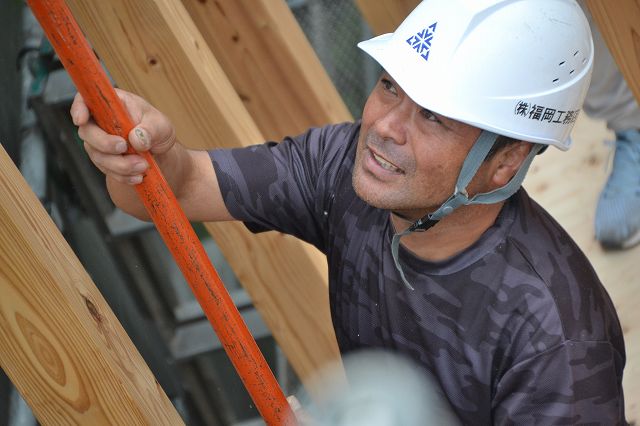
{"x": 519, "y": 68}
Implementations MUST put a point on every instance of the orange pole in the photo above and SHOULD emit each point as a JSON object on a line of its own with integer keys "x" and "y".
{"x": 91, "y": 81}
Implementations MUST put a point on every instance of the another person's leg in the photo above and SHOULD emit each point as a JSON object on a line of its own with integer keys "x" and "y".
{"x": 617, "y": 220}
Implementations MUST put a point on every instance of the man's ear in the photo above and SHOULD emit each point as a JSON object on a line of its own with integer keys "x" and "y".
{"x": 506, "y": 162}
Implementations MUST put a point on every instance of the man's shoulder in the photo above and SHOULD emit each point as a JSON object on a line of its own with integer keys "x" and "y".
{"x": 542, "y": 239}
{"x": 563, "y": 272}
{"x": 329, "y": 146}
{"x": 346, "y": 132}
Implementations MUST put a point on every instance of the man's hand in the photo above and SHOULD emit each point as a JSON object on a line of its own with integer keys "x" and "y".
{"x": 153, "y": 132}
{"x": 189, "y": 173}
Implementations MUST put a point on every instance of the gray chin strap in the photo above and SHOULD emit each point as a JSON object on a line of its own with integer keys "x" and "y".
{"x": 460, "y": 197}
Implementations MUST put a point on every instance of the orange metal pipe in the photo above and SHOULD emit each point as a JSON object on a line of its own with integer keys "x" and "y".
{"x": 91, "y": 81}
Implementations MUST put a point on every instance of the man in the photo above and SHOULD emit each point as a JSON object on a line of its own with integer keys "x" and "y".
{"x": 431, "y": 255}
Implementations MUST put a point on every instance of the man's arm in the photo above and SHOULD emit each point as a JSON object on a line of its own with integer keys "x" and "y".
{"x": 189, "y": 173}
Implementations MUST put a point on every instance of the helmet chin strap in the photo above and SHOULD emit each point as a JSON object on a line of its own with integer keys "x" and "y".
{"x": 460, "y": 197}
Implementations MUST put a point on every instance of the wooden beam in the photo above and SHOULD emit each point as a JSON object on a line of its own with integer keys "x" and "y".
{"x": 60, "y": 344}
{"x": 619, "y": 23}
{"x": 384, "y": 16}
{"x": 270, "y": 63}
{"x": 153, "y": 48}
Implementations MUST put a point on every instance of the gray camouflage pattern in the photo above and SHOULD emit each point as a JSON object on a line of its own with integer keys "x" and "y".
{"x": 517, "y": 329}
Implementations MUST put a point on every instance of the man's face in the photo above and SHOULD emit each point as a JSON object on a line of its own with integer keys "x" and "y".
{"x": 408, "y": 158}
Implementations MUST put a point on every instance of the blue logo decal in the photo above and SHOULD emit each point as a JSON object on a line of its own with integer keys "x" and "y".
{"x": 421, "y": 42}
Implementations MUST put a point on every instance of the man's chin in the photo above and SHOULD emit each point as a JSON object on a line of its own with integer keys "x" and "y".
{"x": 384, "y": 200}
{"x": 371, "y": 196}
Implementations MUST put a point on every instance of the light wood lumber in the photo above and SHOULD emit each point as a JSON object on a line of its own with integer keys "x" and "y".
{"x": 60, "y": 343}
{"x": 153, "y": 48}
{"x": 384, "y": 16}
{"x": 619, "y": 23}
{"x": 270, "y": 63}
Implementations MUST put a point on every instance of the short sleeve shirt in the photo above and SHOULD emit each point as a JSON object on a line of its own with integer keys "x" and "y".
{"x": 517, "y": 329}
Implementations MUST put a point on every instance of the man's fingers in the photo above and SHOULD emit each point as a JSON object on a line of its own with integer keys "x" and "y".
{"x": 117, "y": 166}
{"x": 79, "y": 111}
{"x": 106, "y": 151}
{"x": 140, "y": 139}
{"x": 101, "y": 141}
{"x": 127, "y": 180}
{"x": 154, "y": 132}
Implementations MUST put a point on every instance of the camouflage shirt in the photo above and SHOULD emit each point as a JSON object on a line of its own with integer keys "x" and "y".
{"x": 517, "y": 329}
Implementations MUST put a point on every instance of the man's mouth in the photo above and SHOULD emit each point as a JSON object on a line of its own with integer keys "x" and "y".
{"x": 386, "y": 164}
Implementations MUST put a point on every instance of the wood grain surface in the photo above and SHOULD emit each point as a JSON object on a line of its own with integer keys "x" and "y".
{"x": 619, "y": 23}
{"x": 384, "y": 16}
{"x": 60, "y": 344}
{"x": 270, "y": 64}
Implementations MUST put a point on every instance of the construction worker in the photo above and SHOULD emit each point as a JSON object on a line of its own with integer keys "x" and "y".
{"x": 434, "y": 250}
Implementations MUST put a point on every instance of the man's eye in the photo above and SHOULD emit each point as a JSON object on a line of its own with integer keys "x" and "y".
{"x": 388, "y": 85}
{"x": 429, "y": 115}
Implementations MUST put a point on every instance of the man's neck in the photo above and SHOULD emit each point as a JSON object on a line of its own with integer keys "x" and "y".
{"x": 451, "y": 235}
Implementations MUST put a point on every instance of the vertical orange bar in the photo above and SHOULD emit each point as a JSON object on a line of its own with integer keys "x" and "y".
{"x": 108, "y": 111}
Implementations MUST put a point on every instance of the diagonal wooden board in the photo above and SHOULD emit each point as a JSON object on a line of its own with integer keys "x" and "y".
{"x": 60, "y": 343}
{"x": 384, "y": 16}
{"x": 619, "y": 23}
{"x": 268, "y": 60}
{"x": 153, "y": 48}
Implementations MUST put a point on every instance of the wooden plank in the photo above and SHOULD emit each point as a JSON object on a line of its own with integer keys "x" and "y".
{"x": 270, "y": 63}
{"x": 619, "y": 23}
{"x": 60, "y": 344}
{"x": 153, "y": 48}
{"x": 384, "y": 16}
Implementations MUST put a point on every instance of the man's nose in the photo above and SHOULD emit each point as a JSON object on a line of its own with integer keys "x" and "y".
{"x": 392, "y": 125}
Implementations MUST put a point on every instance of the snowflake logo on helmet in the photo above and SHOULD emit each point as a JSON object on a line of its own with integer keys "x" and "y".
{"x": 421, "y": 42}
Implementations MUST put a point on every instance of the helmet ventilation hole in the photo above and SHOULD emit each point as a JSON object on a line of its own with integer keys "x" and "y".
{"x": 564, "y": 63}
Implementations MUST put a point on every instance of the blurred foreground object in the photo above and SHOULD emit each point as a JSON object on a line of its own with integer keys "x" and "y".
{"x": 383, "y": 389}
